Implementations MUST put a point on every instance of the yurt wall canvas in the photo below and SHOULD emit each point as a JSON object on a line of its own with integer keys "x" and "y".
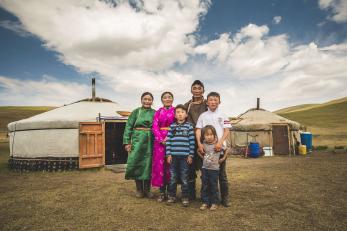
{"x": 242, "y": 138}
{"x": 47, "y": 143}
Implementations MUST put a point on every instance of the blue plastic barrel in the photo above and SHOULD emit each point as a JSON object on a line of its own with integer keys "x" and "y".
{"x": 306, "y": 139}
{"x": 254, "y": 150}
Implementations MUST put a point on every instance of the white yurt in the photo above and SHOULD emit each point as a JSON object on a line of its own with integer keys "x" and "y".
{"x": 274, "y": 132}
{"x": 84, "y": 134}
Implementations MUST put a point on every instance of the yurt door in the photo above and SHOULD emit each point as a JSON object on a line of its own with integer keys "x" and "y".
{"x": 92, "y": 144}
{"x": 280, "y": 139}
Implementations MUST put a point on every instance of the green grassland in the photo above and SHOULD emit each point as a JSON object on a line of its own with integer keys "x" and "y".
{"x": 327, "y": 121}
{"x": 295, "y": 108}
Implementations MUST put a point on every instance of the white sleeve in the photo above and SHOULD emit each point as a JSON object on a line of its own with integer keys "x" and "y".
{"x": 226, "y": 122}
{"x": 199, "y": 123}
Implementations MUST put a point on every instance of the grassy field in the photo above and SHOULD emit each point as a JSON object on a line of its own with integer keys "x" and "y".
{"x": 9, "y": 114}
{"x": 276, "y": 193}
{"x": 327, "y": 122}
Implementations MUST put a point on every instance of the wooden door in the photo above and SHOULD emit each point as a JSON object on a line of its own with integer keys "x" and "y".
{"x": 92, "y": 144}
{"x": 280, "y": 139}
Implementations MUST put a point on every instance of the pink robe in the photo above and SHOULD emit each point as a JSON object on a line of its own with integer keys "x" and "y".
{"x": 160, "y": 169}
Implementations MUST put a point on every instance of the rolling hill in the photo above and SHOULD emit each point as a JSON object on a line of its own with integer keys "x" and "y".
{"x": 9, "y": 114}
{"x": 327, "y": 121}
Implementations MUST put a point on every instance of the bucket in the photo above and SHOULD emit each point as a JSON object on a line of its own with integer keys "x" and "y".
{"x": 267, "y": 151}
{"x": 302, "y": 149}
{"x": 254, "y": 150}
{"x": 306, "y": 139}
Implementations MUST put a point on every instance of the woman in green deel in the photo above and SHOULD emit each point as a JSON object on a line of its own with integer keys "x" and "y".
{"x": 138, "y": 141}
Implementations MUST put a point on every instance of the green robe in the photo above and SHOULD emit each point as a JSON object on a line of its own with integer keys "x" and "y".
{"x": 139, "y": 164}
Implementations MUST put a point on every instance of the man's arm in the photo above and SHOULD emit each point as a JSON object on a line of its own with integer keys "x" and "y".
{"x": 219, "y": 145}
{"x": 201, "y": 150}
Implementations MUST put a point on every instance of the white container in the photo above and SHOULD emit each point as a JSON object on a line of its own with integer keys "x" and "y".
{"x": 268, "y": 151}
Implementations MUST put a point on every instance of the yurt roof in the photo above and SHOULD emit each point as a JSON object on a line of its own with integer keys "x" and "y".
{"x": 260, "y": 119}
{"x": 68, "y": 116}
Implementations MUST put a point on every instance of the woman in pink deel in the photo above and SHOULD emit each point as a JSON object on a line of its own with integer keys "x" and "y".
{"x": 162, "y": 119}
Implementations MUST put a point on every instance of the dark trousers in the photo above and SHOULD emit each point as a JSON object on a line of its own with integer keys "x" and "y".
{"x": 193, "y": 168}
{"x": 143, "y": 185}
{"x": 209, "y": 189}
{"x": 223, "y": 181}
{"x": 179, "y": 169}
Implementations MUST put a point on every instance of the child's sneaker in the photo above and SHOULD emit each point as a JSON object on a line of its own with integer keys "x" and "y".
{"x": 203, "y": 207}
{"x": 171, "y": 200}
{"x": 185, "y": 202}
{"x": 161, "y": 197}
{"x": 213, "y": 207}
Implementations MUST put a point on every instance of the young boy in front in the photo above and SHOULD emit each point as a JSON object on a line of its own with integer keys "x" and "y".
{"x": 221, "y": 123}
{"x": 180, "y": 145}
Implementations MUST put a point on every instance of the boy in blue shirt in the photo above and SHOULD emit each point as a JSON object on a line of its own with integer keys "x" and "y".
{"x": 180, "y": 145}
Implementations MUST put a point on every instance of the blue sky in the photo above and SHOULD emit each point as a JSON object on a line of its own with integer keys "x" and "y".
{"x": 287, "y": 52}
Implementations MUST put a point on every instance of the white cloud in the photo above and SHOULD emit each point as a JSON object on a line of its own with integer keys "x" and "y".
{"x": 277, "y": 19}
{"x": 248, "y": 54}
{"x": 337, "y": 9}
{"x": 104, "y": 37}
{"x": 46, "y": 91}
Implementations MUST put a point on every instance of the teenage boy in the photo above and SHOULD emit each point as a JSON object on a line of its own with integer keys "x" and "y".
{"x": 180, "y": 146}
{"x": 195, "y": 107}
{"x": 221, "y": 123}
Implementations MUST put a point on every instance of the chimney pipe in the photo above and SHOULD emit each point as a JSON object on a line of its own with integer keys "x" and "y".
{"x": 258, "y": 103}
{"x": 93, "y": 89}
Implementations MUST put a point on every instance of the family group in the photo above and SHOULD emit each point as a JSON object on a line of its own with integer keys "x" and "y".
{"x": 168, "y": 146}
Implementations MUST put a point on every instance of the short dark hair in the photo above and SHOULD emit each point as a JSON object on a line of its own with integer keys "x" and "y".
{"x": 205, "y": 129}
{"x": 166, "y": 92}
{"x": 147, "y": 93}
{"x": 198, "y": 82}
{"x": 213, "y": 94}
{"x": 180, "y": 106}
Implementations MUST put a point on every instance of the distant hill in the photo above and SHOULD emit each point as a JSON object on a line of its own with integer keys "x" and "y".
{"x": 9, "y": 114}
{"x": 327, "y": 121}
{"x": 295, "y": 108}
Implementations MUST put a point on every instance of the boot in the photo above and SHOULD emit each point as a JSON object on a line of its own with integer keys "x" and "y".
{"x": 139, "y": 189}
{"x": 147, "y": 189}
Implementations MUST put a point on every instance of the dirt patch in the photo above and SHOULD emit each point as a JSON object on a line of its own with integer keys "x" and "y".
{"x": 275, "y": 193}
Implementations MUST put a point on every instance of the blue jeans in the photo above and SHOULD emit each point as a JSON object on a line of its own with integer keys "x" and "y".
{"x": 209, "y": 189}
{"x": 179, "y": 169}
